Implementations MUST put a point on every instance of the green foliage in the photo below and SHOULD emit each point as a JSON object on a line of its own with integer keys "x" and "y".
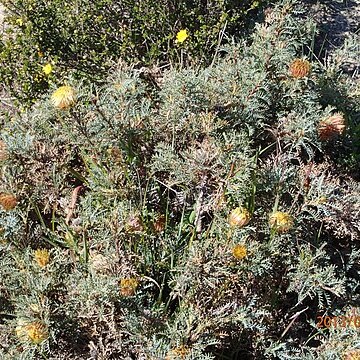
{"x": 130, "y": 190}
{"x": 89, "y": 36}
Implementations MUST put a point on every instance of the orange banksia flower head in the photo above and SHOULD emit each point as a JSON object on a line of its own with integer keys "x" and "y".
{"x": 7, "y": 201}
{"x": 3, "y": 151}
{"x": 331, "y": 127}
{"x": 128, "y": 286}
{"x": 239, "y": 217}
{"x": 34, "y": 332}
{"x": 42, "y": 257}
{"x": 239, "y": 251}
{"x": 64, "y": 97}
{"x": 281, "y": 221}
{"x": 299, "y": 68}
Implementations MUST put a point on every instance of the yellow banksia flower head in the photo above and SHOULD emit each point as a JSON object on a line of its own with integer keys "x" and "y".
{"x": 352, "y": 355}
{"x": 239, "y": 217}
{"x": 35, "y": 332}
{"x": 7, "y": 201}
{"x": 181, "y": 36}
{"x": 42, "y": 257}
{"x": 3, "y": 151}
{"x": 331, "y": 127}
{"x": 128, "y": 286}
{"x": 47, "y": 69}
{"x": 64, "y": 97}
{"x": 299, "y": 68}
{"x": 178, "y": 353}
{"x": 239, "y": 251}
{"x": 281, "y": 221}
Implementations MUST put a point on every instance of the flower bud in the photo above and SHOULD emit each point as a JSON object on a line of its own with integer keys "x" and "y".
{"x": 239, "y": 217}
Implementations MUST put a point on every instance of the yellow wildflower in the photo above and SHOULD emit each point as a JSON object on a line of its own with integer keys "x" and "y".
{"x": 47, "y": 69}
{"x": 239, "y": 251}
{"x": 19, "y": 21}
{"x": 42, "y": 257}
{"x": 181, "y": 36}
{"x": 239, "y": 217}
{"x": 64, "y": 97}
{"x": 281, "y": 221}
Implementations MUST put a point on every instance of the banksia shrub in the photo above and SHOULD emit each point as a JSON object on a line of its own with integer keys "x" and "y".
{"x": 136, "y": 191}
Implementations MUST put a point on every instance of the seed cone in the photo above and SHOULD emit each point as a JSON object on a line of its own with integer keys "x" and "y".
{"x": 134, "y": 224}
{"x": 159, "y": 224}
{"x": 178, "y": 353}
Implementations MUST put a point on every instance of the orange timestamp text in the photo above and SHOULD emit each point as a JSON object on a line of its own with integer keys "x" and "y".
{"x": 338, "y": 321}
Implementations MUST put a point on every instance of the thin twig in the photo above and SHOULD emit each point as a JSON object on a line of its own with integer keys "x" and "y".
{"x": 294, "y": 317}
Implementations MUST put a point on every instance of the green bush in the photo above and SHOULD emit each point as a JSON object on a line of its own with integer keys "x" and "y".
{"x": 132, "y": 192}
{"x": 88, "y": 36}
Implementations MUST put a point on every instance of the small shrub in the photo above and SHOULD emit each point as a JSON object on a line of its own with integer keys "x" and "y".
{"x": 206, "y": 219}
